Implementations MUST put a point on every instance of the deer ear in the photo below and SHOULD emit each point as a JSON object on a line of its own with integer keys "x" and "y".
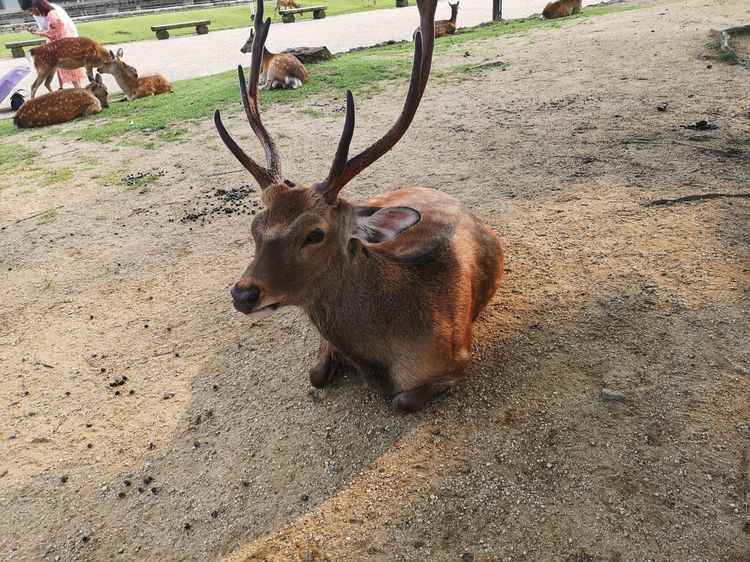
{"x": 119, "y": 52}
{"x": 379, "y": 225}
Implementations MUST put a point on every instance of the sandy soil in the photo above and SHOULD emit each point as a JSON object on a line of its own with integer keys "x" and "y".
{"x": 212, "y": 444}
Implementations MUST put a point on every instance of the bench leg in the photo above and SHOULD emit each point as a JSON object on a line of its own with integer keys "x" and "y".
{"x": 402, "y": 3}
{"x": 162, "y": 34}
{"x": 319, "y": 14}
{"x": 17, "y": 52}
{"x": 287, "y": 18}
{"x": 201, "y": 29}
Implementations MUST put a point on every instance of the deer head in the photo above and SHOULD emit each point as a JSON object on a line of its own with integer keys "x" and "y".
{"x": 115, "y": 63}
{"x": 306, "y": 236}
{"x": 248, "y": 46}
{"x": 99, "y": 90}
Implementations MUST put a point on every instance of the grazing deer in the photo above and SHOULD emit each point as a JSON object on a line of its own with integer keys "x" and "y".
{"x": 445, "y": 27}
{"x": 68, "y": 53}
{"x": 132, "y": 85}
{"x": 561, "y": 9}
{"x": 281, "y": 4}
{"x": 393, "y": 285}
{"x": 62, "y": 105}
{"x": 277, "y": 70}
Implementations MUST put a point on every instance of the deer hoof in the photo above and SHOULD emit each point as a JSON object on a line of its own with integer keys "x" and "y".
{"x": 322, "y": 373}
{"x": 410, "y": 401}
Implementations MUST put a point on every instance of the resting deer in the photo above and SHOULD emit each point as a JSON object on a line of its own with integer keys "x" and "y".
{"x": 393, "y": 285}
{"x": 280, "y": 4}
{"x": 132, "y": 85}
{"x": 445, "y": 27}
{"x": 561, "y": 9}
{"x": 278, "y": 70}
{"x": 68, "y": 53}
{"x": 62, "y": 105}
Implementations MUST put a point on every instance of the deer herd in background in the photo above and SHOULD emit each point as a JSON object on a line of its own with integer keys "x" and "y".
{"x": 64, "y": 105}
{"x": 277, "y": 71}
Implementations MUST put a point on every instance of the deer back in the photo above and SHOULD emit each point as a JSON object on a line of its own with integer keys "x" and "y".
{"x": 447, "y": 27}
{"x": 57, "y": 107}
{"x": 152, "y": 85}
{"x": 69, "y": 53}
{"x": 280, "y": 66}
{"x": 561, "y": 8}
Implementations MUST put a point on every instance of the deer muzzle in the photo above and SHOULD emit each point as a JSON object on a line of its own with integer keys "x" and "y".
{"x": 245, "y": 300}
{"x": 248, "y": 300}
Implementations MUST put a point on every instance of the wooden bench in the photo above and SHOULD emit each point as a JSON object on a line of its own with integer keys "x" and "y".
{"x": 319, "y": 12}
{"x": 201, "y": 28}
{"x": 16, "y": 47}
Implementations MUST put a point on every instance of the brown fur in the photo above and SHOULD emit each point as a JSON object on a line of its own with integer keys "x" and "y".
{"x": 561, "y": 8}
{"x": 69, "y": 53}
{"x": 62, "y": 105}
{"x": 393, "y": 286}
{"x": 400, "y": 311}
{"x": 132, "y": 85}
{"x": 446, "y": 27}
{"x": 276, "y": 69}
{"x": 282, "y": 4}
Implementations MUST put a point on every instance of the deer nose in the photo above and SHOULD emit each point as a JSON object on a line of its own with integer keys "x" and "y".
{"x": 245, "y": 299}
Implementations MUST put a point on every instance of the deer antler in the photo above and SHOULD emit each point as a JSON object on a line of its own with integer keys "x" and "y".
{"x": 343, "y": 170}
{"x": 265, "y": 176}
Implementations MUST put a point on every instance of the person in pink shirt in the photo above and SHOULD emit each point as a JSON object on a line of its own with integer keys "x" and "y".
{"x": 55, "y": 24}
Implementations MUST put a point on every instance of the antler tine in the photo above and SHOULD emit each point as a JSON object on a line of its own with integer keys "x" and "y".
{"x": 342, "y": 153}
{"x": 249, "y": 90}
{"x": 261, "y": 174}
{"x": 343, "y": 171}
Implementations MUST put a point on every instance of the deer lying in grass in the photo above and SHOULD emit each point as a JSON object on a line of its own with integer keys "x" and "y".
{"x": 277, "y": 70}
{"x": 68, "y": 53}
{"x": 284, "y": 4}
{"x": 445, "y": 27}
{"x": 393, "y": 285}
{"x": 62, "y": 105}
{"x": 132, "y": 85}
{"x": 561, "y": 9}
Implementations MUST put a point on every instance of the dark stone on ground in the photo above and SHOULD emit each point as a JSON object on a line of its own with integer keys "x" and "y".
{"x": 310, "y": 55}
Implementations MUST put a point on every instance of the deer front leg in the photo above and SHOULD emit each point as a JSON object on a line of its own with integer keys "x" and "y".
{"x": 329, "y": 361}
{"x": 38, "y": 82}
{"x": 48, "y": 81}
{"x": 416, "y": 390}
{"x": 410, "y": 401}
{"x": 263, "y": 80}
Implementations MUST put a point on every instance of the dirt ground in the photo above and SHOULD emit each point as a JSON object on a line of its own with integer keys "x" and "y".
{"x": 605, "y": 414}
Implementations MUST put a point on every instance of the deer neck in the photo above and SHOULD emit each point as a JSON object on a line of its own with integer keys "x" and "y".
{"x": 266, "y": 59}
{"x": 123, "y": 79}
{"x": 454, "y": 13}
{"x": 356, "y": 291}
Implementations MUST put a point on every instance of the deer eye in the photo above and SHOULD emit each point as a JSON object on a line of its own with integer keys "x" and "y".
{"x": 315, "y": 237}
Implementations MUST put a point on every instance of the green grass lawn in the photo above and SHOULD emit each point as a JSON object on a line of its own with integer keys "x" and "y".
{"x": 165, "y": 118}
{"x": 138, "y": 28}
